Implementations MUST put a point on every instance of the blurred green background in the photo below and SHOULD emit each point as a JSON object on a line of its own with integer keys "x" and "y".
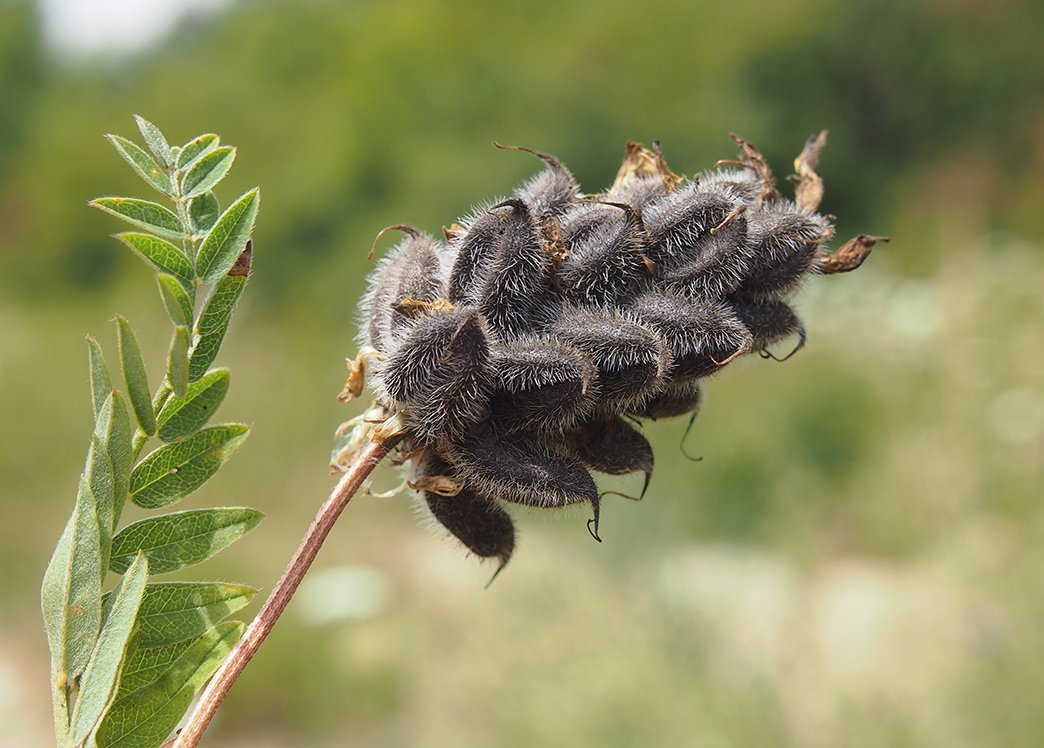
{"x": 858, "y": 559}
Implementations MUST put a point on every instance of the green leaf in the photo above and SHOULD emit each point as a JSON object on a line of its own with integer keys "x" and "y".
{"x": 98, "y": 472}
{"x": 161, "y": 254}
{"x": 173, "y": 541}
{"x": 142, "y": 213}
{"x": 174, "y": 611}
{"x": 207, "y": 171}
{"x": 145, "y": 666}
{"x": 175, "y": 470}
{"x": 227, "y": 240}
{"x": 177, "y": 361}
{"x": 175, "y": 298}
{"x": 204, "y": 211}
{"x": 213, "y": 323}
{"x": 101, "y": 383}
{"x": 117, "y": 441}
{"x": 143, "y": 164}
{"x": 213, "y": 320}
{"x": 155, "y": 141}
{"x": 198, "y": 146}
{"x": 71, "y": 592}
{"x": 145, "y": 717}
{"x": 102, "y": 674}
{"x": 134, "y": 376}
{"x": 186, "y": 415}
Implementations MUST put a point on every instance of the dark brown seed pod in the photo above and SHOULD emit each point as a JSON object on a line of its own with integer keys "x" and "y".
{"x": 698, "y": 240}
{"x": 769, "y": 321}
{"x": 473, "y": 250}
{"x": 786, "y": 241}
{"x": 550, "y": 193}
{"x": 411, "y": 270}
{"x": 476, "y": 520}
{"x": 631, "y": 359}
{"x": 701, "y": 336}
{"x": 541, "y": 385}
{"x": 523, "y": 471}
{"x": 741, "y": 184}
{"x": 611, "y": 445}
{"x": 439, "y": 376}
{"x": 514, "y": 293}
{"x": 605, "y": 260}
{"x": 676, "y": 399}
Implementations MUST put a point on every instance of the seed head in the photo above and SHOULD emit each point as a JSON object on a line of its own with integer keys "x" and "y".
{"x": 521, "y": 355}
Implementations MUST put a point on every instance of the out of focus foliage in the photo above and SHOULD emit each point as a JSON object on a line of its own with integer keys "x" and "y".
{"x": 856, "y": 559}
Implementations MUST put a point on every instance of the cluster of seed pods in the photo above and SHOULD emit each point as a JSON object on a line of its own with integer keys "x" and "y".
{"x": 519, "y": 354}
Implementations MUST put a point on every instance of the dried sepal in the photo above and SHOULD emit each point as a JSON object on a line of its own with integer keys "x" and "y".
{"x": 808, "y": 188}
{"x": 848, "y": 256}
{"x": 644, "y": 172}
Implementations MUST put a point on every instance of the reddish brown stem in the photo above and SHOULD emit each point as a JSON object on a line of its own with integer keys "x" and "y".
{"x": 276, "y": 603}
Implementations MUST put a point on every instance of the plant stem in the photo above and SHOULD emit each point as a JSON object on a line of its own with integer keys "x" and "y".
{"x": 277, "y": 601}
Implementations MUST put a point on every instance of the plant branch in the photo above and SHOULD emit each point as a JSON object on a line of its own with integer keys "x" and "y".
{"x": 277, "y": 601}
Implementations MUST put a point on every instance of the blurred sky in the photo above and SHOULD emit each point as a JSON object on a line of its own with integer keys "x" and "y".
{"x": 77, "y": 29}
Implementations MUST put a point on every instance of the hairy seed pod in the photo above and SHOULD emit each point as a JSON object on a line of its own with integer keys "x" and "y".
{"x": 550, "y": 193}
{"x": 742, "y": 184}
{"x": 631, "y": 359}
{"x": 639, "y": 192}
{"x": 411, "y": 270}
{"x": 698, "y": 240}
{"x": 474, "y": 251}
{"x": 676, "y": 399}
{"x": 786, "y": 240}
{"x": 523, "y": 471}
{"x": 701, "y": 336}
{"x": 769, "y": 321}
{"x": 439, "y": 376}
{"x": 611, "y": 445}
{"x": 513, "y": 294}
{"x": 605, "y": 262}
{"x": 541, "y": 385}
{"x": 476, "y": 520}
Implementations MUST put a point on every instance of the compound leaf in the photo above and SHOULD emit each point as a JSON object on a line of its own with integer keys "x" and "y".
{"x": 144, "y": 164}
{"x": 227, "y": 239}
{"x": 161, "y": 254}
{"x": 174, "y": 611}
{"x": 71, "y": 592}
{"x": 198, "y": 146}
{"x": 181, "y": 416}
{"x": 134, "y": 376}
{"x": 175, "y": 470}
{"x": 207, "y": 171}
{"x": 102, "y": 673}
{"x": 155, "y": 141}
{"x": 175, "y": 298}
{"x": 143, "y": 214}
{"x": 143, "y": 718}
{"x": 174, "y": 541}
